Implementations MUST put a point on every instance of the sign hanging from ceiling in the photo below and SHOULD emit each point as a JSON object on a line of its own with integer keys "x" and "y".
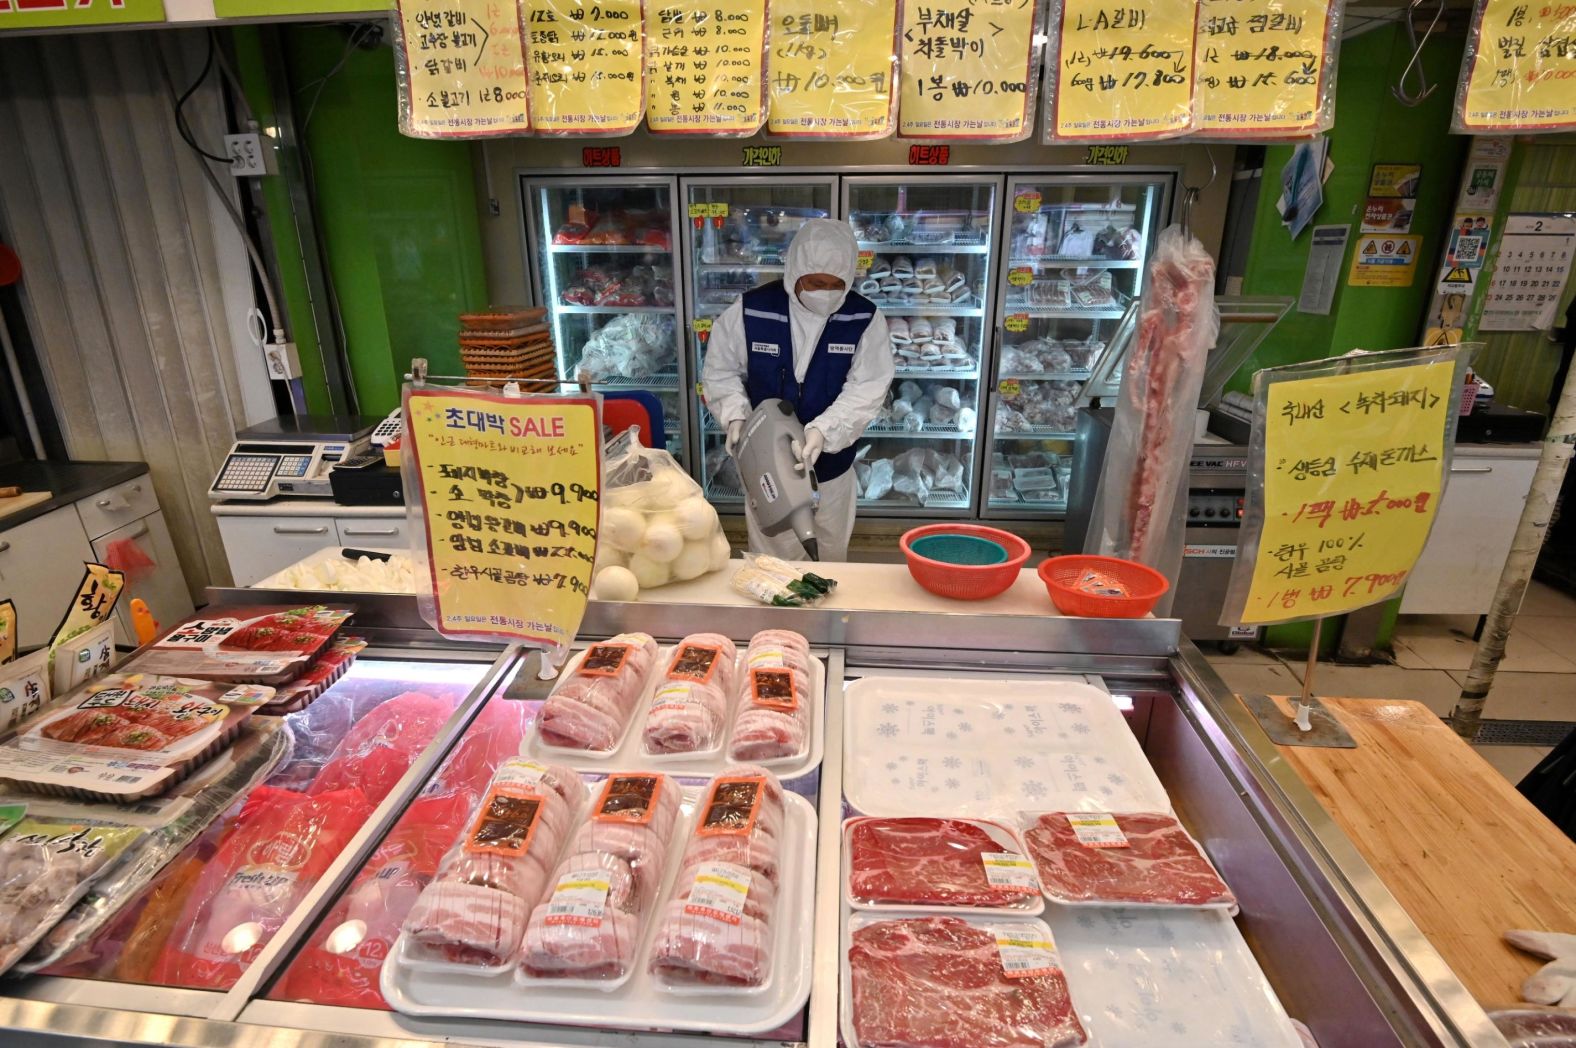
{"x": 1266, "y": 67}
{"x": 587, "y": 65}
{"x": 703, "y": 67}
{"x": 68, "y": 14}
{"x": 1518, "y": 70}
{"x": 968, "y": 70}
{"x": 461, "y": 69}
{"x": 1119, "y": 74}
{"x": 832, "y": 64}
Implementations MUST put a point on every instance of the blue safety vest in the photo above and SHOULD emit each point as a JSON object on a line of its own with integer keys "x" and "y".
{"x": 769, "y": 333}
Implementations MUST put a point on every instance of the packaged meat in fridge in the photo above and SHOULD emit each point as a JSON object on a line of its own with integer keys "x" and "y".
{"x": 947, "y": 982}
{"x": 774, "y": 709}
{"x": 316, "y": 679}
{"x": 689, "y": 709}
{"x": 377, "y": 751}
{"x": 591, "y": 923}
{"x": 592, "y": 707}
{"x": 281, "y": 845}
{"x": 718, "y": 925}
{"x": 1126, "y": 859}
{"x": 937, "y": 862}
{"x": 474, "y": 912}
{"x": 263, "y": 644}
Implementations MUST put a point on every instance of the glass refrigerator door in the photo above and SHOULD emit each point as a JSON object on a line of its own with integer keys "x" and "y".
{"x": 603, "y": 266}
{"x": 735, "y": 232}
{"x": 1076, "y": 248}
{"x": 925, "y": 259}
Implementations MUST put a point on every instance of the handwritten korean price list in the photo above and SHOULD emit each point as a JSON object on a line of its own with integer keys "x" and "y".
{"x": 1353, "y": 468}
{"x": 830, "y": 68}
{"x": 704, "y": 65}
{"x": 1265, "y": 67}
{"x": 463, "y": 69}
{"x": 1530, "y": 271}
{"x": 967, "y": 69}
{"x": 509, "y": 498}
{"x": 1519, "y": 72}
{"x": 1120, "y": 72}
{"x": 586, "y": 62}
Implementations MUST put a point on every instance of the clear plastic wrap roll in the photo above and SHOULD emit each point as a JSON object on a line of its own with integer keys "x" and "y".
{"x": 689, "y": 709}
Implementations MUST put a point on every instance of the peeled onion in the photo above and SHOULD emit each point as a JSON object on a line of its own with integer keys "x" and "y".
{"x": 693, "y": 562}
{"x": 668, "y": 488}
{"x": 615, "y": 583}
{"x": 648, "y": 573}
{"x": 719, "y": 552}
{"x": 608, "y": 557}
{"x": 662, "y": 542}
{"x": 696, "y": 518}
{"x": 623, "y": 528}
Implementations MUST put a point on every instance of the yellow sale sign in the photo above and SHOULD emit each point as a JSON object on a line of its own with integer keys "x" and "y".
{"x": 1263, "y": 66}
{"x": 831, "y": 67}
{"x": 1520, "y": 69}
{"x": 967, "y": 68}
{"x": 509, "y": 489}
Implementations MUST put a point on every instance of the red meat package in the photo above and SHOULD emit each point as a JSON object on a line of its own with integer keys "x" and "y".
{"x": 383, "y": 744}
{"x": 1138, "y": 859}
{"x": 937, "y": 862}
{"x": 317, "y": 678}
{"x": 264, "y": 644}
{"x": 689, "y": 710}
{"x": 278, "y": 850}
{"x": 718, "y": 926}
{"x": 773, "y": 718}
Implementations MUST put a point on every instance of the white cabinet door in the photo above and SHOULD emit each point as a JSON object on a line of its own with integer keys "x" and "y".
{"x": 1466, "y": 551}
{"x": 162, "y": 586}
{"x": 373, "y": 532}
{"x": 40, "y": 566}
{"x": 259, "y": 546}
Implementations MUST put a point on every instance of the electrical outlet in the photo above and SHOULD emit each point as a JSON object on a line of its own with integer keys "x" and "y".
{"x": 250, "y": 154}
{"x": 284, "y": 362}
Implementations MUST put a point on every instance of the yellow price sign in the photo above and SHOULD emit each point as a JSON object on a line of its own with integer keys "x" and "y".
{"x": 866, "y": 260}
{"x": 464, "y": 69}
{"x": 1519, "y": 69}
{"x": 832, "y": 64}
{"x": 1265, "y": 66}
{"x": 509, "y": 489}
{"x": 703, "y": 67}
{"x": 586, "y": 64}
{"x": 700, "y": 324}
{"x": 1122, "y": 73}
{"x": 1353, "y": 470}
{"x": 1027, "y": 203}
{"x": 1009, "y": 387}
{"x": 1022, "y": 276}
{"x": 699, "y": 210}
{"x": 1017, "y": 322}
{"x": 966, "y": 77}
{"x": 717, "y": 209}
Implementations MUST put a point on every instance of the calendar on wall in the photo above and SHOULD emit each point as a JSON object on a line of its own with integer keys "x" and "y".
{"x": 1534, "y": 260}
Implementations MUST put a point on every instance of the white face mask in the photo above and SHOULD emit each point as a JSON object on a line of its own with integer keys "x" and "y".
{"x": 821, "y": 303}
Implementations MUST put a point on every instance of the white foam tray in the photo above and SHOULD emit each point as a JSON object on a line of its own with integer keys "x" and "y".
{"x": 1033, "y": 906}
{"x": 630, "y": 752}
{"x": 989, "y": 748}
{"x": 640, "y": 1004}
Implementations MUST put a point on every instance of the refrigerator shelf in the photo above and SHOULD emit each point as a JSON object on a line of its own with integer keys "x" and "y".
{"x": 608, "y": 249}
{"x": 934, "y": 311}
{"x": 754, "y": 267}
{"x": 959, "y": 374}
{"x": 876, "y": 430}
{"x": 1066, "y": 314}
{"x": 1055, "y": 505}
{"x": 1046, "y": 376}
{"x": 612, "y": 310}
{"x": 1035, "y": 433}
{"x": 668, "y": 383}
{"x": 889, "y": 247}
{"x": 1070, "y": 262}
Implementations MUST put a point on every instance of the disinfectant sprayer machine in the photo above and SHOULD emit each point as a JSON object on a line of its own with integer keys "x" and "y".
{"x": 782, "y": 496}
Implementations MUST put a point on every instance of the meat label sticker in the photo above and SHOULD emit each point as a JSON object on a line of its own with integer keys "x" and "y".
{"x": 696, "y": 662}
{"x": 628, "y": 798}
{"x": 774, "y": 690}
{"x": 674, "y": 697}
{"x": 580, "y": 898}
{"x": 719, "y": 892}
{"x": 506, "y": 823}
{"x": 731, "y": 807}
{"x": 517, "y": 771}
{"x": 1097, "y": 831}
{"x": 603, "y": 660}
{"x": 1009, "y": 871}
{"x": 1023, "y": 955}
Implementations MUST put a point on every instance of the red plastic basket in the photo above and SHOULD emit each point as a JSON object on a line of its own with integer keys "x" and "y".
{"x": 1145, "y": 586}
{"x": 966, "y": 581}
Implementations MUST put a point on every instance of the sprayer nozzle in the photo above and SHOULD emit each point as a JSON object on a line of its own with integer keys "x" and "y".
{"x": 812, "y": 547}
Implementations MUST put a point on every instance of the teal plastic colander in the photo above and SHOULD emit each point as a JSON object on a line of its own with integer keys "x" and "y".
{"x": 959, "y": 549}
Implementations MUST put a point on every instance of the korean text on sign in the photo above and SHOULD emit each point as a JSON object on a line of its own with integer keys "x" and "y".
{"x": 831, "y": 68}
{"x": 703, "y": 66}
{"x": 967, "y": 69}
{"x": 586, "y": 62}
{"x": 463, "y": 69}
{"x": 1353, "y": 469}
{"x": 1264, "y": 66}
{"x": 1519, "y": 69}
{"x": 509, "y": 494}
{"x": 1120, "y": 72}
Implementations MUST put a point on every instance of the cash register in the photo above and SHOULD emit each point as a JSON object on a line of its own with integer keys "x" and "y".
{"x": 292, "y": 456}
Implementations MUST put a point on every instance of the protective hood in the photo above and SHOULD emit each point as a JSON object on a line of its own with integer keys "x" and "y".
{"x": 822, "y": 245}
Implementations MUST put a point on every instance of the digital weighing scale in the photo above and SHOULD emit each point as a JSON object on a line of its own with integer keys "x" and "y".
{"x": 291, "y": 456}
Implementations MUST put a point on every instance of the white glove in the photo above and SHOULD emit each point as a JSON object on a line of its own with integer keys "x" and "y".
{"x": 1555, "y": 982}
{"x": 810, "y": 450}
{"x": 735, "y": 433}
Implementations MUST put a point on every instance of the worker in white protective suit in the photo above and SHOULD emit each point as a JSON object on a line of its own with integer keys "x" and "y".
{"x": 810, "y": 340}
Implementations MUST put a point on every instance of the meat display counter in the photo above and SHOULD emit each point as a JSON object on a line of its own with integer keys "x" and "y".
{"x": 1337, "y": 951}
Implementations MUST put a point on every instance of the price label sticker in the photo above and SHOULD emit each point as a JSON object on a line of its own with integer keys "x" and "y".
{"x": 719, "y": 892}
{"x": 866, "y": 259}
{"x": 1025, "y": 954}
{"x": 1027, "y": 203}
{"x": 719, "y": 209}
{"x": 699, "y": 210}
{"x": 1097, "y": 831}
{"x": 580, "y": 898}
{"x": 1022, "y": 276}
{"x": 1009, "y": 870}
{"x": 700, "y": 324}
{"x": 1017, "y": 322}
{"x": 1009, "y": 387}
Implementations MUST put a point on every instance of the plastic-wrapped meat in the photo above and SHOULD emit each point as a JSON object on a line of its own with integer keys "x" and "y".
{"x": 939, "y": 982}
{"x": 881, "y": 476}
{"x": 1159, "y": 865}
{"x": 926, "y": 862}
{"x": 689, "y": 709}
{"x": 46, "y": 865}
{"x": 592, "y": 708}
{"x": 718, "y": 927}
{"x": 773, "y": 718}
{"x": 89, "y": 727}
{"x": 380, "y": 748}
{"x": 590, "y": 924}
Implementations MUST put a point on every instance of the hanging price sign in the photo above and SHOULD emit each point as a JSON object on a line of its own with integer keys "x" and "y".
{"x": 1120, "y": 72}
{"x": 587, "y": 63}
{"x": 832, "y": 65}
{"x": 464, "y": 70}
{"x": 1519, "y": 66}
{"x": 703, "y": 67}
{"x": 1264, "y": 67}
{"x": 967, "y": 70}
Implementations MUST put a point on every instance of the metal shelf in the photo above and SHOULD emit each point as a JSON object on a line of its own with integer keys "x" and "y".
{"x": 958, "y": 503}
{"x": 563, "y": 308}
{"x": 1057, "y": 506}
{"x": 1037, "y": 433}
{"x": 608, "y": 249}
{"x": 757, "y": 267}
{"x": 928, "y": 433}
{"x": 1058, "y": 262}
{"x": 1044, "y": 376}
{"x": 962, "y": 374}
{"x": 1114, "y": 313}
{"x": 889, "y": 248}
{"x": 931, "y": 311}
{"x": 657, "y": 383}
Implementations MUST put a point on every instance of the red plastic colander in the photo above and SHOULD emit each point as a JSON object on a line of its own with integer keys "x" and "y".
{"x": 965, "y": 581}
{"x": 1145, "y": 586}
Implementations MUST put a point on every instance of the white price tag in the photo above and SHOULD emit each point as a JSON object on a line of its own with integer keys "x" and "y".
{"x": 1098, "y": 831}
{"x": 580, "y": 898}
{"x": 520, "y": 772}
{"x": 675, "y": 696}
{"x": 1009, "y": 870}
{"x": 719, "y": 892}
{"x": 1024, "y": 954}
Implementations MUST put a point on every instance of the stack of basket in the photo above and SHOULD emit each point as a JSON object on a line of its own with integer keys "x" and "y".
{"x": 506, "y": 342}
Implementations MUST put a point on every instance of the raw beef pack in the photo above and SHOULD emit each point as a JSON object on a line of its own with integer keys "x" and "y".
{"x": 936, "y": 862}
{"x": 266, "y": 644}
{"x": 1123, "y": 859}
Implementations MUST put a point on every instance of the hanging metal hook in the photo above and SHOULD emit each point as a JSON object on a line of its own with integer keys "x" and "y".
{"x": 1190, "y": 193}
{"x": 1424, "y": 87}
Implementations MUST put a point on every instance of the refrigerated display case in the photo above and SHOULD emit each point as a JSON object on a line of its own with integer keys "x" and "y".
{"x": 1076, "y": 248}
{"x": 601, "y": 253}
{"x": 735, "y": 232}
{"x": 926, "y": 258}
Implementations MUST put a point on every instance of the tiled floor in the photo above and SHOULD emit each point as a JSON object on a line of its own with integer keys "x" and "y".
{"x": 1536, "y": 680}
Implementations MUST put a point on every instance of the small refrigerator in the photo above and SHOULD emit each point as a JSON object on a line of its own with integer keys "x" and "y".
{"x": 734, "y": 234}
{"x": 601, "y": 254}
{"x": 1075, "y": 253}
{"x": 926, "y": 249}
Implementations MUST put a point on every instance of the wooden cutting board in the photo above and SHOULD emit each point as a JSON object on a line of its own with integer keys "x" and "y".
{"x": 22, "y": 501}
{"x": 1465, "y": 854}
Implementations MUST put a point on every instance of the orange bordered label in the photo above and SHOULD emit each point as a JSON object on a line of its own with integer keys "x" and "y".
{"x": 696, "y": 662}
{"x": 628, "y": 798}
{"x": 731, "y": 806}
{"x": 506, "y": 823}
{"x": 603, "y": 660}
{"x": 774, "y": 689}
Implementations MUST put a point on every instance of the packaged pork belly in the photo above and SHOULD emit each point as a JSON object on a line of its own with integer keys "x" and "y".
{"x": 1128, "y": 859}
{"x": 937, "y": 865}
{"x": 472, "y": 917}
{"x": 718, "y": 925}
{"x": 774, "y": 710}
{"x": 688, "y": 713}
{"x": 589, "y": 928}
{"x": 593, "y": 706}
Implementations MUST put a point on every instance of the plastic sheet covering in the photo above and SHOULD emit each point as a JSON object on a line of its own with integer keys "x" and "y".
{"x": 705, "y": 74}
{"x": 656, "y": 521}
{"x": 587, "y": 65}
{"x": 832, "y": 68}
{"x": 969, "y": 71}
{"x": 460, "y": 68}
{"x": 1517, "y": 70}
{"x": 1535, "y": 1028}
{"x": 1118, "y": 74}
{"x": 1269, "y": 68}
{"x": 1141, "y": 505}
